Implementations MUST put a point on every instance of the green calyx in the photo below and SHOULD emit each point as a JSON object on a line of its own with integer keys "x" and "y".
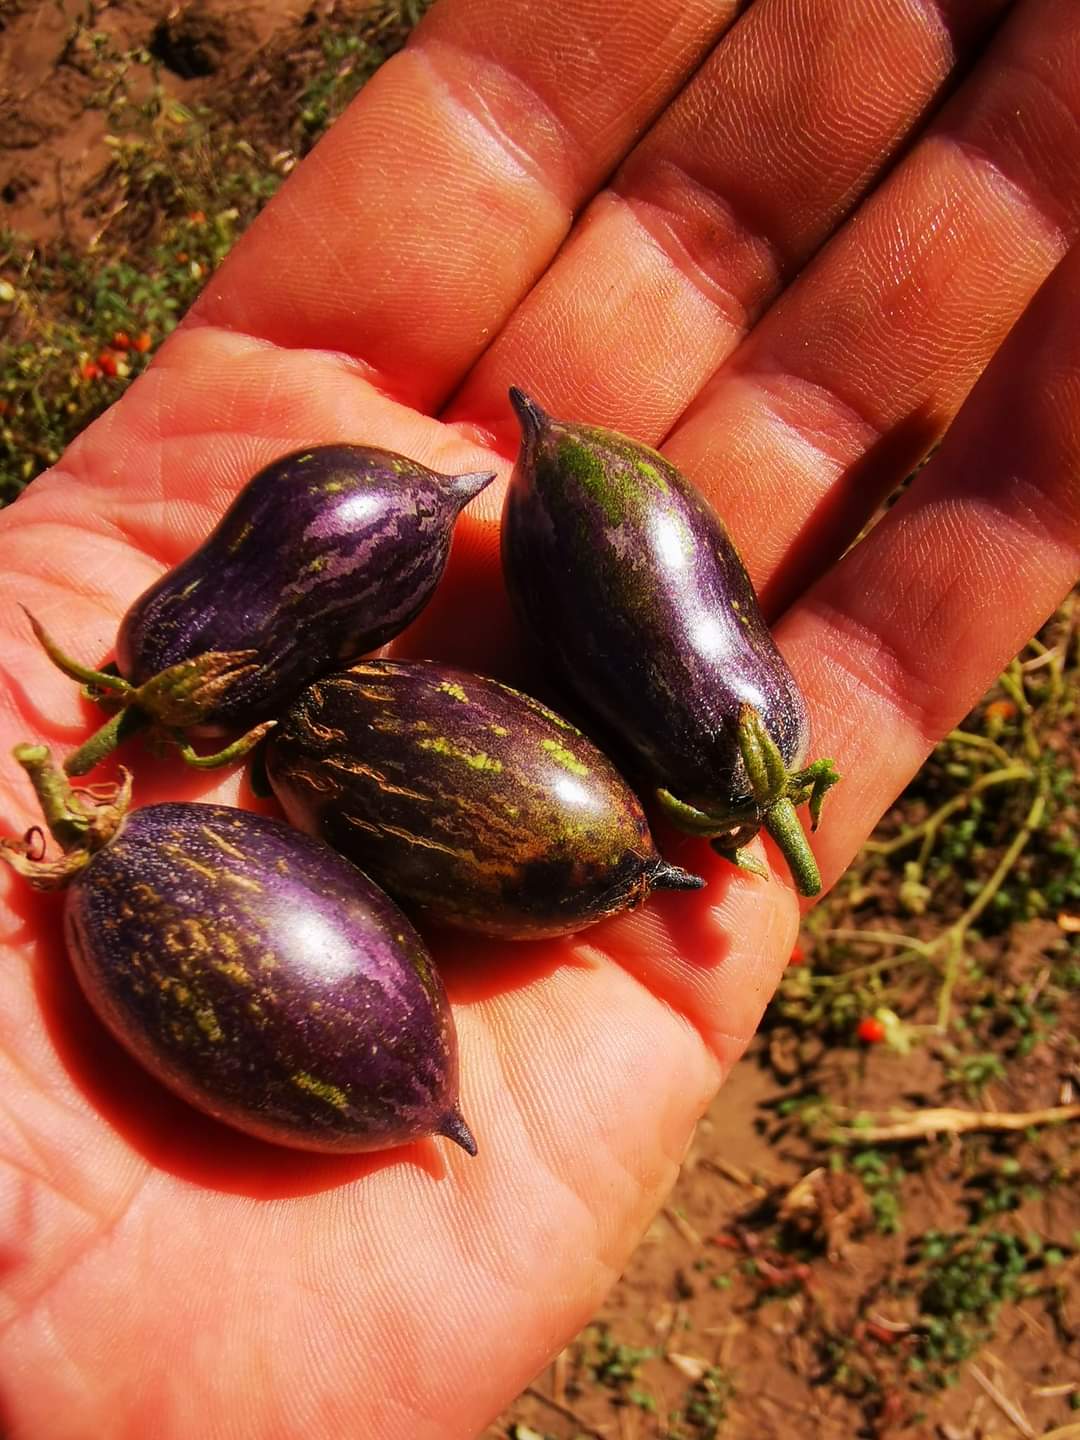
{"x": 169, "y": 702}
{"x": 80, "y": 820}
{"x": 776, "y": 793}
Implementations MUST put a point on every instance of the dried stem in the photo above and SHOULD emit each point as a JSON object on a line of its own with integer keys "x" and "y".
{"x": 924, "y": 1124}
{"x": 565, "y": 1411}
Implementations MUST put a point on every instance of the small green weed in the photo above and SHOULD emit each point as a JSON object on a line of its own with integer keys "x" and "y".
{"x": 881, "y": 1179}
{"x": 975, "y": 1072}
{"x": 966, "y": 1279}
{"x": 613, "y": 1364}
{"x": 704, "y": 1408}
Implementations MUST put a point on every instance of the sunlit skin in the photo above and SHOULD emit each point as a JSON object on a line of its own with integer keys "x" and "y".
{"x": 789, "y": 294}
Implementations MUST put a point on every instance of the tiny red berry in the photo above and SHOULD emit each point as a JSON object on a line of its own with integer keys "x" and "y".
{"x": 90, "y": 371}
{"x": 121, "y": 340}
{"x": 1000, "y": 710}
{"x": 143, "y": 341}
{"x": 197, "y": 217}
{"x": 107, "y": 362}
{"x": 870, "y": 1030}
{"x": 798, "y": 956}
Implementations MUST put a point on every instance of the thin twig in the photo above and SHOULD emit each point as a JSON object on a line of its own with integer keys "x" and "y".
{"x": 683, "y": 1226}
{"x": 974, "y": 741}
{"x": 922, "y": 1124}
{"x": 732, "y": 1173}
{"x": 954, "y": 953}
{"x": 1008, "y": 775}
{"x": 951, "y": 939}
{"x": 1047, "y": 657}
{"x": 558, "y": 1378}
{"x": 1005, "y": 864}
{"x": 1004, "y": 1404}
{"x": 565, "y": 1411}
{"x": 880, "y": 937}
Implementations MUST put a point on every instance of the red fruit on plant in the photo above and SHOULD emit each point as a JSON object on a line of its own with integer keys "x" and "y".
{"x": 121, "y": 340}
{"x": 797, "y": 956}
{"x": 90, "y": 371}
{"x": 1000, "y": 710}
{"x": 107, "y": 363}
{"x": 142, "y": 342}
{"x": 870, "y": 1030}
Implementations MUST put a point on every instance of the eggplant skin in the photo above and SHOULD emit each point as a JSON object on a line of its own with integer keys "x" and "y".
{"x": 325, "y": 554}
{"x": 265, "y": 981}
{"x": 628, "y": 583}
{"x": 471, "y": 803}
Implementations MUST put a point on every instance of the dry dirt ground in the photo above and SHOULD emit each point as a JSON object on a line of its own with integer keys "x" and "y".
{"x": 783, "y": 1292}
{"x": 53, "y": 123}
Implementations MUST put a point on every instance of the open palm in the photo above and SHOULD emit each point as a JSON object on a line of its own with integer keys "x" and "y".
{"x": 790, "y": 277}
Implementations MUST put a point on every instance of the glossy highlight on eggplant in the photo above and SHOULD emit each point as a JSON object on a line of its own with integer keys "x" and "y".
{"x": 632, "y": 590}
{"x": 472, "y": 803}
{"x": 324, "y": 555}
{"x": 253, "y": 971}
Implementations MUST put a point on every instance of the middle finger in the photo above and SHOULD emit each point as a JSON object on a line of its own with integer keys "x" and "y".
{"x": 735, "y": 187}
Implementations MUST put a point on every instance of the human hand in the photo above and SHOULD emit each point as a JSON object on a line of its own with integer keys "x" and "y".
{"x": 162, "y": 1276}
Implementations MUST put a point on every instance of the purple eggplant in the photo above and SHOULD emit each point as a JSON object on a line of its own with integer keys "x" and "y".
{"x": 471, "y": 803}
{"x": 252, "y": 970}
{"x": 627, "y": 581}
{"x": 325, "y": 554}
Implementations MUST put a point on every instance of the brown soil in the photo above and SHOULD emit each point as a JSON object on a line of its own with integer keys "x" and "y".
{"x": 773, "y": 1333}
{"x": 52, "y": 125}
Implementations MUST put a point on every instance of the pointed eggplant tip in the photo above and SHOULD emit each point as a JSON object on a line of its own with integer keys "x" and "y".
{"x": 453, "y": 1127}
{"x": 671, "y": 877}
{"x": 465, "y": 487}
{"x": 530, "y": 416}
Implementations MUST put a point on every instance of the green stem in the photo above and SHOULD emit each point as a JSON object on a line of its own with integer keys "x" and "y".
{"x": 1031, "y": 823}
{"x": 979, "y": 742}
{"x": 876, "y": 967}
{"x": 114, "y": 732}
{"x": 235, "y": 751}
{"x": 66, "y": 821}
{"x": 1011, "y": 681}
{"x": 742, "y": 859}
{"x": 930, "y": 826}
{"x": 954, "y": 937}
{"x": 101, "y": 679}
{"x": 761, "y": 757}
{"x": 879, "y": 937}
{"x": 783, "y": 825}
{"x": 81, "y": 822}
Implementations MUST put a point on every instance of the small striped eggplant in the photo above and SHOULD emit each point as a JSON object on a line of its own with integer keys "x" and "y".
{"x": 471, "y": 803}
{"x": 252, "y": 970}
{"x": 324, "y": 555}
{"x": 627, "y": 581}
